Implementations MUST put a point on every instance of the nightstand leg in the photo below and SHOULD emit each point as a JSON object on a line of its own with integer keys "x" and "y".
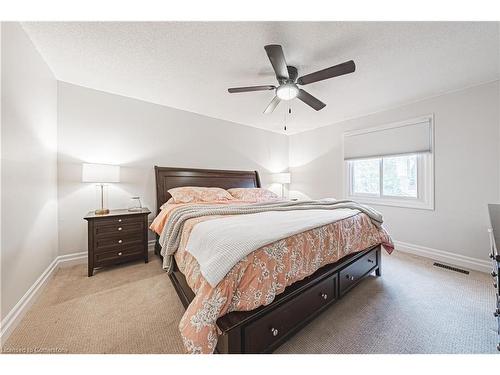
{"x": 90, "y": 271}
{"x": 145, "y": 238}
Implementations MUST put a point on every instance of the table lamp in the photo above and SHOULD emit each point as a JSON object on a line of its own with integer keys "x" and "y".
{"x": 282, "y": 179}
{"x": 101, "y": 174}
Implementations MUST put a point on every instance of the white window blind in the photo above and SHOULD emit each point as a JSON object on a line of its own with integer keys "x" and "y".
{"x": 408, "y": 137}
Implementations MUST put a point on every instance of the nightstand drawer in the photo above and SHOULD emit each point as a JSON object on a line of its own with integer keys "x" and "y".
{"x": 118, "y": 255}
{"x": 118, "y": 229}
{"x": 110, "y": 220}
{"x": 108, "y": 243}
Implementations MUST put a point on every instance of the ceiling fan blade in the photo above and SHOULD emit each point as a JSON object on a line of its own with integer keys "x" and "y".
{"x": 274, "y": 103}
{"x": 234, "y": 90}
{"x": 310, "y": 100}
{"x": 333, "y": 71}
{"x": 277, "y": 58}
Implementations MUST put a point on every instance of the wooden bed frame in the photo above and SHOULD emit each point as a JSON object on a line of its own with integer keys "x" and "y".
{"x": 264, "y": 329}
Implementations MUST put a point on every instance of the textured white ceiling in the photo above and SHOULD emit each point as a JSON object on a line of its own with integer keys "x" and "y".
{"x": 190, "y": 65}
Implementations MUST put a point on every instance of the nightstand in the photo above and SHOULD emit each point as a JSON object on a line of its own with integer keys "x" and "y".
{"x": 117, "y": 237}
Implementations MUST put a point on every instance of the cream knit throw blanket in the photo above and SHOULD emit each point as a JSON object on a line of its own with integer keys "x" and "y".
{"x": 171, "y": 234}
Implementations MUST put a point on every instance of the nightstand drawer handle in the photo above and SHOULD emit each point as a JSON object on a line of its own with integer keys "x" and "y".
{"x": 120, "y": 253}
{"x": 119, "y": 220}
{"x": 349, "y": 277}
{"x": 120, "y": 228}
{"x": 274, "y": 332}
{"x": 120, "y": 241}
{"x": 324, "y": 296}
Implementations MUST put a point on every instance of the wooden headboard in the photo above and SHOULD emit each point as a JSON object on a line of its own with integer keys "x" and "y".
{"x": 168, "y": 178}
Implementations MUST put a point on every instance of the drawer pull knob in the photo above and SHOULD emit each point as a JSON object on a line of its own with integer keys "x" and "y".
{"x": 349, "y": 277}
{"x": 274, "y": 331}
{"x": 120, "y": 241}
{"x": 496, "y": 314}
{"x": 494, "y": 285}
{"x": 120, "y": 253}
{"x": 119, "y": 220}
{"x": 370, "y": 261}
{"x": 491, "y": 255}
{"x": 120, "y": 228}
{"x": 493, "y": 274}
{"x": 324, "y": 296}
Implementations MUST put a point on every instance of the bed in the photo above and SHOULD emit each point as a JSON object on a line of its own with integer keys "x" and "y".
{"x": 264, "y": 328}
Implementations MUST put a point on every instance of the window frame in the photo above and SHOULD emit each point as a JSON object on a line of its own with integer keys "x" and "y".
{"x": 425, "y": 177}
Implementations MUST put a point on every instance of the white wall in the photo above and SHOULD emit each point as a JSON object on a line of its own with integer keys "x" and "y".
{"x": 28, "y": 167}
{"x": 49, "y": 129}
{"x": 466, "y": 169}
{"x": 98, "y": 127}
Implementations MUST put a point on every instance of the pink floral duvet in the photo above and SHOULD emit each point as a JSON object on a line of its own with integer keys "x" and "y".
{"x": 263, "y": 274}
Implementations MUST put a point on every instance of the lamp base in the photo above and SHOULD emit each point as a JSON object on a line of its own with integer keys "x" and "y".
{"x": 103, "y": 211}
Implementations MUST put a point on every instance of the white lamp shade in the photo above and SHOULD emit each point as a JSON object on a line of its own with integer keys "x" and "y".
{"x": 100, "y": 173}
{"x": 282, "y": 178}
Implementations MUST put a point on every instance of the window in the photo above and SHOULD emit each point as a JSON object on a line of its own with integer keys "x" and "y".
{"x": 391, "y": 176}
{"x": 404, "y": 179}
{"x": 366, "y": 177}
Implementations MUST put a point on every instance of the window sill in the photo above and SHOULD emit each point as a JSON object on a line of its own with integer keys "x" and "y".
{"x": 416, "y": 204}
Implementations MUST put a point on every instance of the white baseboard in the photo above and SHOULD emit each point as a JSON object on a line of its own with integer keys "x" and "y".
{"x": 72, "y": 259}
{"x": 15, "y": 315}
{"x": 12, "y": 319}
{"x": 444, "y": 256}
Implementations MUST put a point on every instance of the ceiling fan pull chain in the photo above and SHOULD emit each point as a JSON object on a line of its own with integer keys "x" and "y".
{"x": 284, "y": 120}
{"x": 289, "y": 112}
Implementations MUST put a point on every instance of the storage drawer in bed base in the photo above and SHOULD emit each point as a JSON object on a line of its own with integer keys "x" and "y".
{"x": 253, "y": 332}
{"x": 270, "y": 330}
{"x": 264, "y": 329}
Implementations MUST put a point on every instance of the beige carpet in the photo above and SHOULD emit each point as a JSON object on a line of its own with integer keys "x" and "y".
{"x": 412, "y": 308}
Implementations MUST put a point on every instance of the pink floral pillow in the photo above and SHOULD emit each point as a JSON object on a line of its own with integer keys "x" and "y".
{"x": 170, "y": 201}
{"x": 253, "y": 194}
{"x": 190, "y": 194}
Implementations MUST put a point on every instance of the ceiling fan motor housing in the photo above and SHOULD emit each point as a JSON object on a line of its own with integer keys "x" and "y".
{"x": 292, "y": 73}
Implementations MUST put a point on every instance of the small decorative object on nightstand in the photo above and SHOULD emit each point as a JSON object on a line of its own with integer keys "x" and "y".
{"x": 120, "y": 236}
{"x": 135, "y": 204}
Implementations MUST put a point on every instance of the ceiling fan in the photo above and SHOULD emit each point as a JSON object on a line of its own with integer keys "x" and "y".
{"x": 288, "y": 82}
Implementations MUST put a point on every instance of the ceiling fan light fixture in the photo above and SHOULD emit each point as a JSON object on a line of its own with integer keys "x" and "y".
{"x": 287, "y": 91}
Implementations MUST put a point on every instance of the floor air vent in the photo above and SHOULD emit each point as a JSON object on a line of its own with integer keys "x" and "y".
{"x": 451, "y": 268}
